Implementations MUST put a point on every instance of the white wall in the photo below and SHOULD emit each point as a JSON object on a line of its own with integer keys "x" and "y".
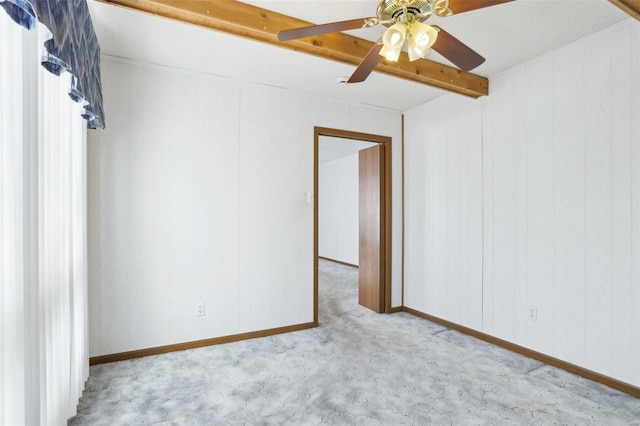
{"x": 338, "y": 206}
{"x": 443, "y": 202}
{"x": 197, "y": 193}
{"x": 556, "y": 148}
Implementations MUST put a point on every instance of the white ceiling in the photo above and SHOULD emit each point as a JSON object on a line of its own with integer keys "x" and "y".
{"x": 505, "y": 35}
{"x": 330, "y": 148}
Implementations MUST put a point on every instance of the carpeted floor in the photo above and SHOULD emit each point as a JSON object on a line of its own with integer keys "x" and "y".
{"x": 357, "y": 368}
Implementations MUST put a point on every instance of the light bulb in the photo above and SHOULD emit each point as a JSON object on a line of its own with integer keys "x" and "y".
{"x": 423, "y": 40}
{"x": 423, "y": 36}
{"x": 391, "y": 54}
{"x": 394, "y": 36}
{"x": 414, "y": 51}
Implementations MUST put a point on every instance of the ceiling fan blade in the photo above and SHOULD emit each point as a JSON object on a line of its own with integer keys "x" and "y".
{"x": 460, "y": 6}
{"x": 312, "y": 30}
{"x": 367, "y": 65}
{"x": 456, "y": 51}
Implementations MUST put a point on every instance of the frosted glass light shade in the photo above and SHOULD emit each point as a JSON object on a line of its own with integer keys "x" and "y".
{"x": 422, "y": 38}
{"x": 391, "y": 54}
{"x": 414, "y": 51}
{"x": 394, "y": 36}
{"x": 392, "y": 41}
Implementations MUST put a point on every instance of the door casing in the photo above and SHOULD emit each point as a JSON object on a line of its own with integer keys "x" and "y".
{"x": 385, "y": 224}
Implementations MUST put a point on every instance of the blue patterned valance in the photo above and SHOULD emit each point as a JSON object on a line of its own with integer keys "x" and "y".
{"x": 72, "y": 47}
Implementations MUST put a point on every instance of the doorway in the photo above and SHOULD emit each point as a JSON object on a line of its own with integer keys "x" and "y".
{"x": 383, "y": 209}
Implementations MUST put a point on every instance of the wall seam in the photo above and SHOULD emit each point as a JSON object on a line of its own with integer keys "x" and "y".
{"x": 584, "y": 209}
{"x": 482, "y": 230}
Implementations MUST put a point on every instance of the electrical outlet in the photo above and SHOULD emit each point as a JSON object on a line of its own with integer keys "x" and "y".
{"x": 200, "y": 309}
{"x": 532, "y": 313}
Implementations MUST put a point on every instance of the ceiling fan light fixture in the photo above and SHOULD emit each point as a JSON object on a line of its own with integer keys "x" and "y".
{"x": 391, "y": 54}
{"x": 394, "y": 37}
{"x": 414, "y": 51}
{"x": 423, "y": 35}
{"x": 392, "y": 41}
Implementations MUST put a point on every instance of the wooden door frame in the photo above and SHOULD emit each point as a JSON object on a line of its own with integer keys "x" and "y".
{"x": 385, "y": 224}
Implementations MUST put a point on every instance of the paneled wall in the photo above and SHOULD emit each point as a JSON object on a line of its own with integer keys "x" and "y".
{"x": 198, "y": 194}
{"x": 338, "y": 220}
{"x": 560, "y": 164}
{"x": 443, "y": 205}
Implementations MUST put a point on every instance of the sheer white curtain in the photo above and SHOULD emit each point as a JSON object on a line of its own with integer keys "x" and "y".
{"x": 43, "y": 344}
{"x": 12, "y": 313}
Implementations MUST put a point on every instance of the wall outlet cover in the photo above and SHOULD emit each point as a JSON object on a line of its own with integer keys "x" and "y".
{"x": 200, "y": 309}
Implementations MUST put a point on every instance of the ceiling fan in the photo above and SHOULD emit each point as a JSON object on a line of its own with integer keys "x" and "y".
{"x": 404, "y": 20}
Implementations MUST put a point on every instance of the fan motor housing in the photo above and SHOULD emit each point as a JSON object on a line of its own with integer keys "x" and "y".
{"x": 390, "y": 10}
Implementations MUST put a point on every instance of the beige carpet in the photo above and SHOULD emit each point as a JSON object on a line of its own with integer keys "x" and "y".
{"x": 357, "y": 368}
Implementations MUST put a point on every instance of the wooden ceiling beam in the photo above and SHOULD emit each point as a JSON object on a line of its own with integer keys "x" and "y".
{"x": 243, "y": 20}
{"x": 632, "y": 7}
